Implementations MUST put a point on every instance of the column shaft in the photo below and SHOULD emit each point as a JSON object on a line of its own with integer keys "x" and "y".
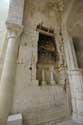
{"x": 2, "y": 53}
{"x": 52, "y": 81}
{"x": 43, "y": 77}
{"x": 7, "y": 79}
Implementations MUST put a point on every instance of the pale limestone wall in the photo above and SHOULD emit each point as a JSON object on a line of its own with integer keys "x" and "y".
{"x": 38, "y": 104}
{"x": 41, "y": 105}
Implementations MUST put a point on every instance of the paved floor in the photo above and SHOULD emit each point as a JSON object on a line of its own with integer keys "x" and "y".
{"x": 69, "y": 122}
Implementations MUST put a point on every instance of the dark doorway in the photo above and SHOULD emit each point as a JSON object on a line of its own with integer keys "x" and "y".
{"x": 46, "y": 49}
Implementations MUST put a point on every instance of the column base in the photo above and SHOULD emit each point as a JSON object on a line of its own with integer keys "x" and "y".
{"x": 35, "y": 82}
{"x": 53, "y": 82}
{"x": 43, "y": 82}
{"x": 78, "y": 118}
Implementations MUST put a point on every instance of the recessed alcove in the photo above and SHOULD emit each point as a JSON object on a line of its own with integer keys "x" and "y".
{"x": 47, "y": 55}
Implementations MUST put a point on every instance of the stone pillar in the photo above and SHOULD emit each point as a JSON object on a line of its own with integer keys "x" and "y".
{"x": 52, "y": 81}
{"x": 76, "y": 85}
{"x": 14, "y": 27}
{"x": 43, "y": 77}
{"x": 8, "y": 73}
{"x": 74, "y": 74}
{"x": 2, "y": 53}
{"x": 75, "y": 78}
{"x": 34, "y": 57}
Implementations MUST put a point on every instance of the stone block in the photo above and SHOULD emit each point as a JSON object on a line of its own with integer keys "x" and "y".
{"x": 80, "y": 106}
{"x": 15, "y": 119}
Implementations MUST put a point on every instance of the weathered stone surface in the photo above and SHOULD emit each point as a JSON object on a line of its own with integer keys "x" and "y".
{"x": 40, "y": 104}
{"x": 48, "y": 103}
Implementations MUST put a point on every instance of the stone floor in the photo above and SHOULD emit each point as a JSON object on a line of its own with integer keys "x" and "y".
{"x": 69, "y": 122}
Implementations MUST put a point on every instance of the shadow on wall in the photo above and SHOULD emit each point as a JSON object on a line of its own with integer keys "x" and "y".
{"x": 78, "y": 45}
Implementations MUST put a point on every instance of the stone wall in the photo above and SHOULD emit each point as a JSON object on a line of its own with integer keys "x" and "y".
{"x": 39, "y": 105}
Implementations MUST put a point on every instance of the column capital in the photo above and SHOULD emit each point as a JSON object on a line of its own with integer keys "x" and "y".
{"x": 17, "y": 29}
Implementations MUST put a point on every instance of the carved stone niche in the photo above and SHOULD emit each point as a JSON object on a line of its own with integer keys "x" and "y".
{"x": 47, "y": 56}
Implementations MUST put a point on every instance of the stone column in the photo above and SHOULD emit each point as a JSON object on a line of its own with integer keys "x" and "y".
{"x": 8, "y": 73}
{"x": 75, "y": 78}
{"x": 74, "y": 74}
{"x": 52, "y": 81}
{"x": 14, "y": 27}
{"x": 2, "y": 53}
{"x": 43, "y": 77}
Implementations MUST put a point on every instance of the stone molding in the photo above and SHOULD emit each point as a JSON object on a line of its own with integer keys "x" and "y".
{"x": 18, "y": 29}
